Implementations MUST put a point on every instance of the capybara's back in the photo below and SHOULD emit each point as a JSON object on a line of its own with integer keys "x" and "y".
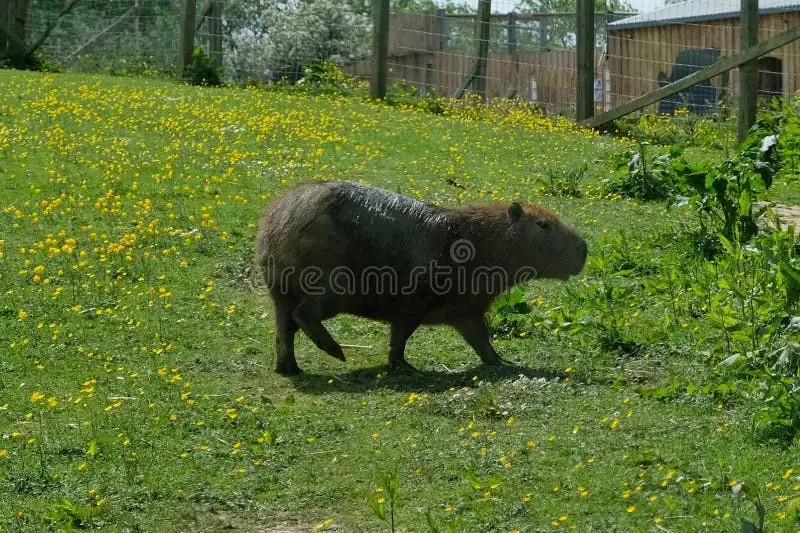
{"x": 327, "y": 248}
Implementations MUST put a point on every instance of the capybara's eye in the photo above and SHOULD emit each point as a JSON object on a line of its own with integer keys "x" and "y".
{"x": 544, "y": 224}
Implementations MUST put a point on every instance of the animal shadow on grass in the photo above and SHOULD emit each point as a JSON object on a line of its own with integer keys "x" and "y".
{"x": 365, "y": 379}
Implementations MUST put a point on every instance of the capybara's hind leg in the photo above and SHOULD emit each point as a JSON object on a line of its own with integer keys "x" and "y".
{"x": 286, "y": 327}
{"x": 309, "y": 319}
{"x": 475, "y": 332}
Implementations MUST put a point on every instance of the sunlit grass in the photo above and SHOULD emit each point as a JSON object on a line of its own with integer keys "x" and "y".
{"x": 137, "y": 390}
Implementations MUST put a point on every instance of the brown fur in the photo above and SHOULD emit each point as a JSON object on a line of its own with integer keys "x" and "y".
{"x": 337, "y": 225}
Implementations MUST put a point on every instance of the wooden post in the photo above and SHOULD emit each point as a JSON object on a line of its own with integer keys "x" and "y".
{"x": 482, "y": 28}
{"x": 441, "y": 36}
{"x": 136, "y": 26}
{"x": 188, "y": 13}
{"x": 748, "y": 73}
{"x": 380, "y": 48}
{"x": 428, "y": 78}
{"x": 543, "y": 34}
{"x": 512, "y": 33}
{"x": 215, "y": 31}
{"x": 585, "y": 41}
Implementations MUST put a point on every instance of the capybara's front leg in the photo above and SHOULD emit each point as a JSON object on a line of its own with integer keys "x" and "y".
{"x": 285, "y": 327}
{"x": 473, "y": 329}
{"x": 309, "y": 319}
{"x": 401, "y": 331}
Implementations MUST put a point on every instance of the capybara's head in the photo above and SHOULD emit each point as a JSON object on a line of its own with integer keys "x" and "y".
{"x": 545, "y": 242}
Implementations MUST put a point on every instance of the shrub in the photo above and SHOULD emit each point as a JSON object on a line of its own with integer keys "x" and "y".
{"x": 724, "y": 194}
{"x": 638, "y": 177}
{"x": 683, "y": 128}
{"x": 327, "y": 78}
{"x": 203, "y": 69}
{"x": 566, "y": 183}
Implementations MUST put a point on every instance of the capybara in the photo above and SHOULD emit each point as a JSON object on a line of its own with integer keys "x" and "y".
{"x": 326, "y": 248}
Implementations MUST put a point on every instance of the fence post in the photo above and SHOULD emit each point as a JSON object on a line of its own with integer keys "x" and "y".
{"x": 441, "y": 36}
{"x": 512, "y": 33}
{"x": 428, "y": 78}
{"x": 215, "y": 30}
{"x": 586, "y": 47}
{"x": 748, "y": 73}
{"x": 543, "y": 34}
{"x": 188, "y": 14}
{"x": 380, "y": 48}
{"x": 482, "y": 28}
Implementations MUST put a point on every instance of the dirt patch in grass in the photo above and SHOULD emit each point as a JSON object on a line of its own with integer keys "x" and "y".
{"x": 788, "y": 215}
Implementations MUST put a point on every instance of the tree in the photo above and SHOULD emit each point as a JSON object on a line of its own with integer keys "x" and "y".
{"x": 274, "y": 39}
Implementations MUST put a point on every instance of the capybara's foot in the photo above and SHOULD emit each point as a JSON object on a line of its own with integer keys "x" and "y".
{"x": 401, "y": 366}
{"x": 496, "y": 360}
{"x": 288, "y": 368}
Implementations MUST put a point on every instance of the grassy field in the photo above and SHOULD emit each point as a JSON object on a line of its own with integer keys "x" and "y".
{"x": 137, "y": 390}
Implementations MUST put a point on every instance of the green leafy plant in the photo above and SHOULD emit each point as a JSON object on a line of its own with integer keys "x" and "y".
{"x": 639, "y": 177}
{"x": 724, "y": 195}
{"x": 69, "y": 516}
{"x": 390, "y": 486}
{"x": 681, "y": 128}
{"x": 510, "y": 314}
{"x": 566, "y": 183}
{"x": 747, "y": 490}
{"x": 203, "y": 69}
{"x": 751, "y": 295}
{"x": 325, "y": 77}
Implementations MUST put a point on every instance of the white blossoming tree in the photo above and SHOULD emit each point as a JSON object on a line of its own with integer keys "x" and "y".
{"x": 273, "y": 39}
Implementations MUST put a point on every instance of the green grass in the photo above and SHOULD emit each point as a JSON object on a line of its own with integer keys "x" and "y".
{"x": 136, "y": 367}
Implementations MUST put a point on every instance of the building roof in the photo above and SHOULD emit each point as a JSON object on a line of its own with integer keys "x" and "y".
{"x": 700, "y": 11}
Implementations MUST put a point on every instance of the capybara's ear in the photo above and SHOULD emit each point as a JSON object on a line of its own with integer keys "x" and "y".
{"x": 515, "y": 211}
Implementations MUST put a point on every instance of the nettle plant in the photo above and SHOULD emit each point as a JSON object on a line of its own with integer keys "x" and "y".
{"x": 751, "y": 288}
{"x": 753, "y": 294}
{"x": 724, "y": 195}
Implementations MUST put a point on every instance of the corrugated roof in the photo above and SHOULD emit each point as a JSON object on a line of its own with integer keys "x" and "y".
{"x": 700, "y": 11}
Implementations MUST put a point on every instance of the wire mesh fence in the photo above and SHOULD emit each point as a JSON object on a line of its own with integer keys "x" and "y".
{"x": 108, "y": 35}
{"x": 655, "y": 48}
{"x": 532, "y": 55}
{"x": 532, "y": 49}
{"x": 260, "y": 40}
